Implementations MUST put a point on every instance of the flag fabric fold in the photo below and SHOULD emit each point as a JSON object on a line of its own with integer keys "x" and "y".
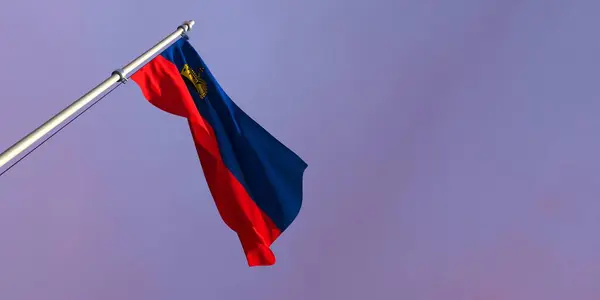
{"x": 255, "y": 180}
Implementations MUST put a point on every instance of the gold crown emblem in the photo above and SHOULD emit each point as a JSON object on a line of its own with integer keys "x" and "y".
{"x": 196, "y": 80}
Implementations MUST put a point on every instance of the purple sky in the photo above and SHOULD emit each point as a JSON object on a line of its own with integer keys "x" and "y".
{"x": 452, "y": 150}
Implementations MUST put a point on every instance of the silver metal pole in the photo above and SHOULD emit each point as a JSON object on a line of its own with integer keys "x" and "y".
{"x": 119, "y": 75}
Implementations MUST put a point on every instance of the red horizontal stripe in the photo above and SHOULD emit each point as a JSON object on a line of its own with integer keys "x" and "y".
{"x": 163, "y": 86}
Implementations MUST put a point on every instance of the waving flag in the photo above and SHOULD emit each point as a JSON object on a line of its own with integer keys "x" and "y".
{"x": 255, "y": 180}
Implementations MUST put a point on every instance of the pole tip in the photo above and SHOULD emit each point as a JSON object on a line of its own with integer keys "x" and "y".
{"x": 189, "y": 24}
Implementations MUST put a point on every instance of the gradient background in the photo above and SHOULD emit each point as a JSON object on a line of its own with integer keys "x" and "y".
{"x": 452, "y": 150}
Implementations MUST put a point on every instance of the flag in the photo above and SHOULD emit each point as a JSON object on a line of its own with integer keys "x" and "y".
{"x": 255, "y": 180}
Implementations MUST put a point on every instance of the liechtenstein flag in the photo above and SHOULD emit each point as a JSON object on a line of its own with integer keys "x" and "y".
{"x": 255, "y": 180}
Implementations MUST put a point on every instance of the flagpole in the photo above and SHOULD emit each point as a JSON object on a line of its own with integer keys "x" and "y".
{"x": 117, "y": 76}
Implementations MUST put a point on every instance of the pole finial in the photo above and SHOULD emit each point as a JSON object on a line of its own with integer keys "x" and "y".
{"x": 186, "y": 26}
{"x": 190, "y": 24}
